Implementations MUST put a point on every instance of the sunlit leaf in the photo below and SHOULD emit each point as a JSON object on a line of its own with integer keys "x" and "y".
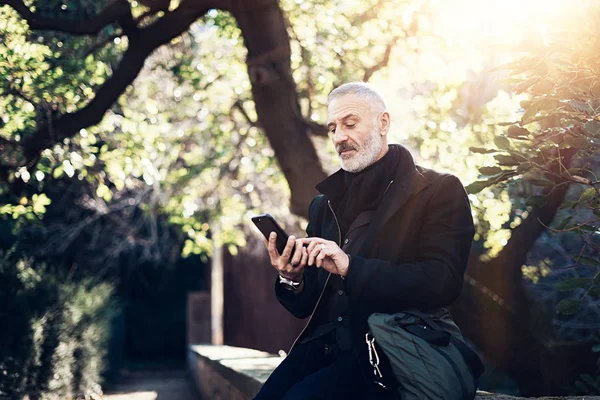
{"x": 481, "y": 150}
{"x": 587, "y": 194}
{"x": 490, "y": 170}
{"x": 502, "y": 142}
{"x": 506, "y": 160}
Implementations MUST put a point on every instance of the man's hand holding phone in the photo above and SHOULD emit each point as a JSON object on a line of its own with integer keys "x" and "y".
{"x": 291, "y": 262}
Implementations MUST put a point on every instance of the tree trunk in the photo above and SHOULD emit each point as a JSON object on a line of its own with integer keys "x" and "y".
{"x": 276, "y": 99}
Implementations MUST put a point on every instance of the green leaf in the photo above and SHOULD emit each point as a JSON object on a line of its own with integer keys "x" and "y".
{"x": 568, "y": 306}
{"x": 482, "y": 150}
{"x": 575, "y": 283}
{"x": 588, "y": 228}
{"x": 505, "y": 160}
{"x": 596, "y": 348}
{"x": 478, "y": 186}
{"x": 490, "y": 170}
{"x": 592, "y": 262}
{"x": 502, "y": 143}
{"x": 564, "y": 223}
{"x": 569, "y": 204}
{"x": 533, "y": 110}
{"x": 587, "y": 194}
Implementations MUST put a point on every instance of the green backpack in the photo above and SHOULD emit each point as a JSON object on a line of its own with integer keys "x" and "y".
{"x": 427, "y": 355}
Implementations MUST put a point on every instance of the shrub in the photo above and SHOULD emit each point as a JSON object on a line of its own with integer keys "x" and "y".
{"x": 55, "y": 332}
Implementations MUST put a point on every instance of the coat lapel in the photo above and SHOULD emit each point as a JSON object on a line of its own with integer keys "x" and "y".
{"x": 363, "y": 218}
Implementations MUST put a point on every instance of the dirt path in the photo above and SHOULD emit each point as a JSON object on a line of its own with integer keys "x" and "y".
{"x": 153, "y": 385}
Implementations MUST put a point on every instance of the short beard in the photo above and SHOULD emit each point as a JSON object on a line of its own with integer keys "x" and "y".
{"x": 365, "y": 156}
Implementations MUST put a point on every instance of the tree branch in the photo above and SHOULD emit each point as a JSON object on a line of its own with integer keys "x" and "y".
{"x": 74, "y": 27}
{"x": 384, "y": 60}
{"x": 141, "y": 44}
{"x": 238, "y": 104}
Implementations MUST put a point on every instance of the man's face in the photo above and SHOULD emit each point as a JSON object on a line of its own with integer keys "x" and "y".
{"x": 357, "y": 131}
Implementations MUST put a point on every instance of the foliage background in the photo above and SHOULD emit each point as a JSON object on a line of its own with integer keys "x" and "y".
{"x": 133, "y": 204}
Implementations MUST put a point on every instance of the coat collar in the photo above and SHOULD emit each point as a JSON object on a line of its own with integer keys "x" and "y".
{"x": 407, "y": 182}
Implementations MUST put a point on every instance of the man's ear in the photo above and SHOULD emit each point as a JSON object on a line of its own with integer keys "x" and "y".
{"x": 384, "y": 123}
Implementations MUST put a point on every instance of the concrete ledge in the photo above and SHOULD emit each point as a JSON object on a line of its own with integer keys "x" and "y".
{"x": 236, "y": 373}
{"x": 225, "y": 372}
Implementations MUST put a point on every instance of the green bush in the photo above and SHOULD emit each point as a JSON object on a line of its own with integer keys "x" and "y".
{"x": 54, "y": 332}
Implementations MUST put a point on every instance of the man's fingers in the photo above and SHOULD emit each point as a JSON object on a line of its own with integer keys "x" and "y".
{"x": 297, "y": 253}
{"x": 304, "y": 258}
{"x": 271, "y": 248}
{"x": 289, "y": 246}
{"x": 313, "y": 254}
{"x": 314, "y": 243}
{"x": 320, "y": 257}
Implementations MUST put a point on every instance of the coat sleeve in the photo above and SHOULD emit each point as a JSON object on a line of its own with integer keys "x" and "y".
{"x": 302, "y": 305}
{"x": 436, "y": 278}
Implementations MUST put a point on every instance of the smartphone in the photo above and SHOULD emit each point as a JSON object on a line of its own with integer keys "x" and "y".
{"x": 267, "y": 224}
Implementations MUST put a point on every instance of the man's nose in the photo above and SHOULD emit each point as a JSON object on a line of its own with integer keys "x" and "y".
{"x": 339, "y": 137}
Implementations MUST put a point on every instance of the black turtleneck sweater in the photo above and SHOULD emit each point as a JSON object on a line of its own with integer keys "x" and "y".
{"x": 364, "y": 190}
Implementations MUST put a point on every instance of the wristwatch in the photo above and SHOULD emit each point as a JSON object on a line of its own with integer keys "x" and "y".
{"x": 289, "y": 284}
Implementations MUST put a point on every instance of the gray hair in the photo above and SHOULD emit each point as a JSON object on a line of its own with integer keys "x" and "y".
{"x": 363, "y": 90}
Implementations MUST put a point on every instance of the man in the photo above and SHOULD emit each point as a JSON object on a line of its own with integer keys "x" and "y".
{"x": 384, "y": 236}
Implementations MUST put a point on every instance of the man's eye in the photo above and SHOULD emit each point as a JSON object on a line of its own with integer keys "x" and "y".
{"x": 350, "y": 125}
{"x": 332, "y": 130}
